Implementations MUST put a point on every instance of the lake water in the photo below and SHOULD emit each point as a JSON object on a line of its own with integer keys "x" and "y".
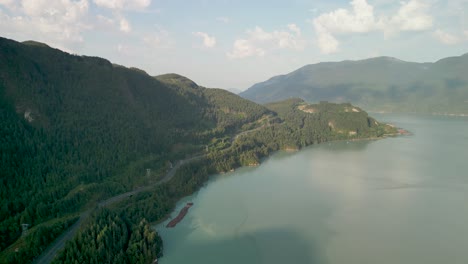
{"x": 398, "y": 201}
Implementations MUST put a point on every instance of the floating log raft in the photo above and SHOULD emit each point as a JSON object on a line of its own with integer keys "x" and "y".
{"x": 179, "y": 217}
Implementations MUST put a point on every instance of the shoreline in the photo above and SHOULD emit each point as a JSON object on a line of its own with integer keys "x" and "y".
{"x": 183, "y": 212}
{"x": 449, "y": 114}
{"x": 287, "y": 150}
{"x": 419, "y": 113}
{"x": 401, "y": 132}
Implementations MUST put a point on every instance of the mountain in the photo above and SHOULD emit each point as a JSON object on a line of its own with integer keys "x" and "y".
{"x": 77, "y": 130}
{"x": 377, "y": 84}
{"x": 228, "y": 110}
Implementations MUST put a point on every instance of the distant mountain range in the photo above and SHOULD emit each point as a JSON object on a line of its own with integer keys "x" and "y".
{"x": 377, "y": 84}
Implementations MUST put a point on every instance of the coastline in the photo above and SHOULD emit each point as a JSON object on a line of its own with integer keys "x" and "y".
{"x": 419, "y": 113}
{"x": 181, "y": 203}
{"x": 314, "y": 181}
{"x": 184, "y": 200}
{"x": 450, "y": 114}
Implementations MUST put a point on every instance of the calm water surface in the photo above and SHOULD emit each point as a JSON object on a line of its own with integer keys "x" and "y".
{"x": 398, "y": 200}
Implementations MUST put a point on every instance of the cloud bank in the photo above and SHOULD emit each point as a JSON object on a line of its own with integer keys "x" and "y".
{"x": 259, "y": 42}
{"x": 361, "y": 18}
{"x": 59, "y": 22}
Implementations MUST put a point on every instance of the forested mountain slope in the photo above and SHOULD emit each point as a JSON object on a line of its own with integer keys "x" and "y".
{"x": 75, "y": 130}
{"x": 228, "y": 110}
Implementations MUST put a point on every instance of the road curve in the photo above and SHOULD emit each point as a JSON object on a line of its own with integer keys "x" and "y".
{"x": 49, "y": 254}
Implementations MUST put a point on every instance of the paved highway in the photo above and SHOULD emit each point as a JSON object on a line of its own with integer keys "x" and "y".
{"x": 49, "y": 254}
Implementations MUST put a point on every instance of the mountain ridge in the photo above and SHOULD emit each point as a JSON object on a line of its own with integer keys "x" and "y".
{"x": 377, "y": 84}
{"x": 76, "y": 130}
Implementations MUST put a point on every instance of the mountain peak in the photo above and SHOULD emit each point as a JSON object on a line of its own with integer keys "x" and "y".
{"x": 384, "y": 59}
{"x": 173, "y": 78}
{"x": 35, "y": 43}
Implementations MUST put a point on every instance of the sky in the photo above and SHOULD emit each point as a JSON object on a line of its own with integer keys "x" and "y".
{"x": 235, "y": 44}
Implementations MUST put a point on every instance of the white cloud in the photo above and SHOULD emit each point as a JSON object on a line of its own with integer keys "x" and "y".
{"x": 326, "y": 42}
{"x": 411, "y": 16}
{"x": 8, "y": 3}
{"x": 125, "y": 25}
{"x": 446, "y": 38}
{"x": 259, "y": 41}
{"x": 294, "y": 28}
{"x": 105, "y": 20}
{"x": 224, "y": 20}
{"x": 360, "y": 20}
{"x": 116, "y": 23}
{"x": 60, "y": 23}
{"x": 123, "y": 4}
{"x": 208, "y": 41}
{"x": 465, "y": 33}
{"x": 243, "y": 48}
{"x": 160, "y": 39}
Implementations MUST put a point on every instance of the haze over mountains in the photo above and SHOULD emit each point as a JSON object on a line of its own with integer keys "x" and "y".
{"x": 377, "y": 84}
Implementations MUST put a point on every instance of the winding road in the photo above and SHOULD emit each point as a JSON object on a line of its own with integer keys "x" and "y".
{"x": 49, "y": 254}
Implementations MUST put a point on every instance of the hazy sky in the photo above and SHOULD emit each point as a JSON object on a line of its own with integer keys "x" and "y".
{"x": 234, "y": 44}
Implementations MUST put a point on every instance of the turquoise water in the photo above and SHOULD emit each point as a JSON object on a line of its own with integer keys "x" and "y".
{"x": 397, "y": 200}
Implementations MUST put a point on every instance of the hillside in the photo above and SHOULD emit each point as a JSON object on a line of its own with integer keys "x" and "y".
{"x": 229, "y": 111}
{"x": 377, "y": 84}
{"x": 75, "y": 130}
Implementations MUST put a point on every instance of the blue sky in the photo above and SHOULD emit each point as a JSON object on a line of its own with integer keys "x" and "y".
{"x": 234, "y": 44}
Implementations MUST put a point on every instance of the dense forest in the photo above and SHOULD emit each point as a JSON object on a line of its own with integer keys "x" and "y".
{"x": 293, "y": 128}
{"x": 75, "y": 130}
